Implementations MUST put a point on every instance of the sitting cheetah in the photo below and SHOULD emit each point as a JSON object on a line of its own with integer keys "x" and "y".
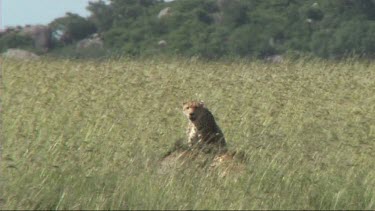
{"x": 202, "y": 128}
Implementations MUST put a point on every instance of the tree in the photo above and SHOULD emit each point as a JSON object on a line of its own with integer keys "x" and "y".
{"x": 71, "y": 28}
{"x": 14, "y": 40}
{"x": 101, "y": 15}
{"x": 214, "y": 28}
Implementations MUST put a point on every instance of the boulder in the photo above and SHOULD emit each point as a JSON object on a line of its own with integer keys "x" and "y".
{"x": 40, "y": 34}
{"x": 217, "y": 17}
{"x": 94, "y": 41}
{"x": 20, "y": 54}
{"x": 275, "y": 59}
{"x": 162, "y": 43}
{"x": 165, "y": 12}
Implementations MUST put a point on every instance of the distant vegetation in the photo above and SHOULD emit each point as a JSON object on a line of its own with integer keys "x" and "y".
{"x": 217, "y": 28}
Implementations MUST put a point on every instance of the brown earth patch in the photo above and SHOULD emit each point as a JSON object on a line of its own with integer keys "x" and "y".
{"x": 180, "y": 157}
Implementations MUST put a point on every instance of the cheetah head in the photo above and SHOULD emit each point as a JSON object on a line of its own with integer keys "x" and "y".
{"x": 193, "y": 109}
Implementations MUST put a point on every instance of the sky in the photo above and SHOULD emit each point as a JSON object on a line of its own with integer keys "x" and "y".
{"x": 22, "y": 12}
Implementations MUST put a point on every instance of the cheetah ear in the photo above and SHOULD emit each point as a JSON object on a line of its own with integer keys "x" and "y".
{"x": 201, "y": 103}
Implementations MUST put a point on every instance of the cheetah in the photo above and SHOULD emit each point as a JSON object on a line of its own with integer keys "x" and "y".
{"x": 202, "y": 129}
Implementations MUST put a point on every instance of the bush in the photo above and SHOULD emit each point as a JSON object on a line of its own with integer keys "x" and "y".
{"x": 217, "y": 28}
{"x": 14, "y": 40}
{"x": 71, "y": 28}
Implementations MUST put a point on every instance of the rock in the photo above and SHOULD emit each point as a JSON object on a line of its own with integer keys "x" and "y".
{"x": 224, "y": 164}
{"x": 20, "y": 54}
{"x": 40, "y": 34}
{"x": 94, "y": 41}
{"x": 275, "y": 59}
{"x": 165, "y": 12}
{"x": 217, "y": 17}
{"x": 271, "y": 42}
{"x": 162, "y": 43}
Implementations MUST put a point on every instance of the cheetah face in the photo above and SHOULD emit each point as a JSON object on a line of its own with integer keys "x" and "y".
{"x": 193, "y": 110}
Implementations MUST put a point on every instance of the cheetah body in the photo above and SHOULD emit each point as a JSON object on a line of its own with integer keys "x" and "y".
{"x": 202, "y": 127}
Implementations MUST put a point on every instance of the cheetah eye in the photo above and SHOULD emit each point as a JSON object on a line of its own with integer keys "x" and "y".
{"x": 187, "y": 107}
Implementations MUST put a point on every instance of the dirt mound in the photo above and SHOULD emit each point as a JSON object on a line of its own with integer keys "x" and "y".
{"x": 180, "y": 157}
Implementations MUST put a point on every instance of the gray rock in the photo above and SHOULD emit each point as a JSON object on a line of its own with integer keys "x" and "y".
{"x": 94, "y": 41}
{"x": 40, "y": 34}
{"x": 14, "y": 53}
{"x": 162, "y": 43}
{"x": 275, "y": 59}
{"x": 165, "y": 12}
{"x": 217, "y": 17}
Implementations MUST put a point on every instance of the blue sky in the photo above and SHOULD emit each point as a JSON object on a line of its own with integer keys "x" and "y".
{"x": 22, "y": 12}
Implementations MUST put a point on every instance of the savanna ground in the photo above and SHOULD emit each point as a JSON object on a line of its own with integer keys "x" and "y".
{"x": 91, "y": 135}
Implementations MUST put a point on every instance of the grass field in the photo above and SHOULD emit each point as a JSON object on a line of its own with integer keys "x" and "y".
{"x": 91, "y": 135}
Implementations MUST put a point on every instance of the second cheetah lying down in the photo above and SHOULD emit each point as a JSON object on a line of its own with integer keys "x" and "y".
{"x": 202, "y": 128}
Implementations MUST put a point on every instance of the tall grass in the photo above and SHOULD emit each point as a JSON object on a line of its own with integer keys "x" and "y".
{"x": 90, "y": 135}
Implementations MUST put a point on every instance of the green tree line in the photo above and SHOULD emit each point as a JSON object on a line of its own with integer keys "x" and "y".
{"x": 217, "y": 28}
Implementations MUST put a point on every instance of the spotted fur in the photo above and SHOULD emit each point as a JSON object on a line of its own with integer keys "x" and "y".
{"x": 202, "y": 128}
